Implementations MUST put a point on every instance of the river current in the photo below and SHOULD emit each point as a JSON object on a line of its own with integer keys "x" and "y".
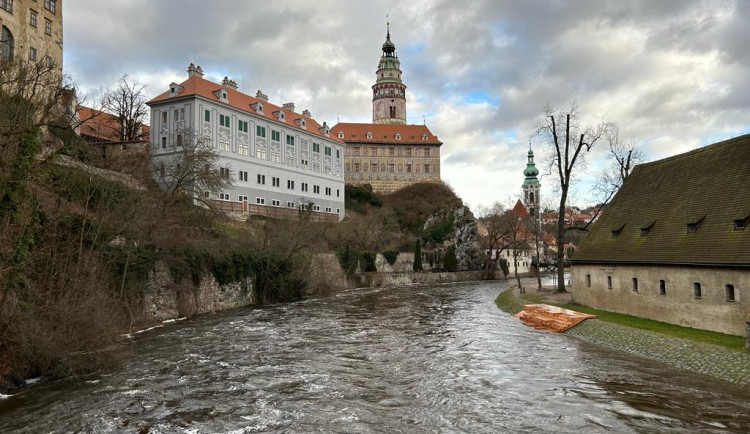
{"x": 412, "y": 360}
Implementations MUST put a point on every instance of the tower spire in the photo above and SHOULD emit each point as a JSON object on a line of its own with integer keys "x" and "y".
{"x": 389, "y": 92}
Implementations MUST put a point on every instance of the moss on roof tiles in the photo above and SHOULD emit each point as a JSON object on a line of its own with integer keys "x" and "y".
{"x": 712, "y": 181}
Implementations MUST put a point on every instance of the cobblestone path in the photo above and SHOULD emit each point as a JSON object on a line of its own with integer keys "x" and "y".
{"x": 721, "y": 362}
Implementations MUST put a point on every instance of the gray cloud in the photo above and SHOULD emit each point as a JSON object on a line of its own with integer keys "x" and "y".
{"x": 672, "y": 74}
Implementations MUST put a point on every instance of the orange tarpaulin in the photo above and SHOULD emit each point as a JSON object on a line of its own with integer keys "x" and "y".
{"x": 548, "y": 317}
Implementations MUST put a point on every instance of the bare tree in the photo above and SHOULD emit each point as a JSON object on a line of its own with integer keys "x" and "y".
{"x": 128, "y": 102}
{"x": 623, "y": 156}
{"x": 497, "y": 231}
{"x": 516, "y": 238}
{"x": 568, "y": 155}
{"x": 189, "y": 169}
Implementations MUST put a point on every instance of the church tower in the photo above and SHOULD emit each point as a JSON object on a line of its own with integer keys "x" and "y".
{"x": 388, "y": 92}
{"x": 531, "y": 187}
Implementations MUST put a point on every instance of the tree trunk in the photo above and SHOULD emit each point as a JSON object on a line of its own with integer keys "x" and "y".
{"x": 561, "y": 241}
{"x": 515, "y": 271}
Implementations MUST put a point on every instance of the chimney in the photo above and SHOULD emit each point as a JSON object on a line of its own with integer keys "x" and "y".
{"x": 199, "y": 71}
{"x": 306, "y": 113}
{"x": 191, "y": 70}
{"x": 289, "y": 106}
{"x": 229, "y": 83}
{"x": 261, "y": 96}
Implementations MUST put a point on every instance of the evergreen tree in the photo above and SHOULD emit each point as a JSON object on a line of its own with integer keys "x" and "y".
{"x": 418, "y": 256}
{"x": 450, "y": 261}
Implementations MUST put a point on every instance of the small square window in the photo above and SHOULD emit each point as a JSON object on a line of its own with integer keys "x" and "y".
{"x": 47, "y": 27}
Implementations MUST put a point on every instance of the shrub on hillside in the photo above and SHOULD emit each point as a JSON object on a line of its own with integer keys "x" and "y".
{"x": 418, "y": 256}
{"x": 414, "y": 203}
{"x": 391, "y": 256}
{"x": 450, "y": 262}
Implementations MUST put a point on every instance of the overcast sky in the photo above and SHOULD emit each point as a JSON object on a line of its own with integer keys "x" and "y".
{"x": 673, "y": 74}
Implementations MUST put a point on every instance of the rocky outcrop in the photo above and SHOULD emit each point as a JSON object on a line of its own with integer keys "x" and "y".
{"x": 464, "y": 236}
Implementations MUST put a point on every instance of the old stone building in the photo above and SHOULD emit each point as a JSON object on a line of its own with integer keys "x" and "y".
{"x": 389, "y": 154}
{"x": 32, "y": 30}
{"x": 673, "y": 245}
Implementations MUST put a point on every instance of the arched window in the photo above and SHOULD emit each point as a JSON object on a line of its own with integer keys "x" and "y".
{"x": 531, "y": 196}
{"x": 6, "y": 44}
{"x": 393, "y": 112}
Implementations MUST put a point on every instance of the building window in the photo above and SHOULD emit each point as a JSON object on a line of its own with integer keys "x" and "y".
{"x": 290, "y": 140}
{"x": 242, "y": 126}
{"x": 316, "y": 189}
{"x": 241, "y": 198}
{"x": 635, "y": 284}
{"x": 182, "y": 114}
{"x": 224, "y": 121}
{"x": 290, "y": 184}
{"x": 328, "y": 151}
{"x": 50, "y": 5}
{"x": 697, "y": 290}
{"x": 6, "y": 44}
{"x": 224, "y": 143}
{"x": 316, "y": 148}
{"x": 224, "y": 196}
{"x": 47, "y": 27}
{"x": 32, "y": 54}
{"x": 224, "y": 172}
{"x": 316, "y": 207}
{"x": 328, "y": 209}
{"x": 260, "y": 200}
{"x": 260, "y": 131}
{"x": 262, "y": 179}
{"x": 275, "y": 202}
{"x": 32, "y": 17}
{"x": 609, "y": 280}
{"x": 662, "y": 287}
{"x": 207, "y": 194}
{"x": 242, "y": 175}
{"x": 179, "y": 140}
{"x": 207, "y": 116}
{"x": 303, "y": 186}
{"x": 328, "y": 191}
{"x": 730, "y": 292}
{"x": 290, "y": 205}
{"x": 48, "y": 62}
{"x": 338, "y": 153}
{"x": 338, "y": 210}
{"x": 164, "y": 117}
{"x": 243, "y": 149}
{"x": 275, "y": 136}
{"x": 588, "y": 280}
{"x": 338, "y": 193}
{"x": 260, "y": 152}
{"x": 163, "y": 142}
{"x": 407, "y": 152}
{"x": 7, "y": 5}
{"x": 275, "y": 182}
{"x": 616, "y": 233}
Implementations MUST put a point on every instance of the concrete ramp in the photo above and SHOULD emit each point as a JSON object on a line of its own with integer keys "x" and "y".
{"x": 552, "y": 318}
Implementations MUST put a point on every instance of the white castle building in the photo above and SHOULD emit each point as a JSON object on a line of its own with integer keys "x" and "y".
{"x": 278, "y": 160}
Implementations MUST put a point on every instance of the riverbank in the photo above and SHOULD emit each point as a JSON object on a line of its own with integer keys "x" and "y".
{"x": 728, "y": 364}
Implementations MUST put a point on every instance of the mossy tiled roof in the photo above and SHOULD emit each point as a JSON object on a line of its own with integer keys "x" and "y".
{"x": 711, "y": 183}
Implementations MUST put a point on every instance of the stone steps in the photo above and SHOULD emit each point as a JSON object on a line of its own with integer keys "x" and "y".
{"x": 552, "y": 318}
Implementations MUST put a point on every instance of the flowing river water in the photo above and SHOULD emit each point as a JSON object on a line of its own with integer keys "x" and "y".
{"x": 415, "y": 360}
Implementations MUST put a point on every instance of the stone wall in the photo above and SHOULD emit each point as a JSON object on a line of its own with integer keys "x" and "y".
{"x": 678, "y": 305}
{"x": 163, "y": 298}
{"x": 326, "y": 275}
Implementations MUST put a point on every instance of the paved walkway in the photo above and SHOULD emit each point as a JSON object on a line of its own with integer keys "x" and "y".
{"x": 717, "y": 361}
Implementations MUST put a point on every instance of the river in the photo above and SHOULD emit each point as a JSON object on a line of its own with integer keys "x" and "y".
{"x": 412, "y": 360}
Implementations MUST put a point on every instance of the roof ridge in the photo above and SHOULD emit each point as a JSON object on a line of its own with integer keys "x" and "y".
{"x": 701, "y": 149}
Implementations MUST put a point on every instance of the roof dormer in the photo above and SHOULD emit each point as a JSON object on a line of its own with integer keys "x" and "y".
{"x": 280, "y": 115}
{"x": 341, "y": 135}
{"x": 424, "y": 137}
{"x": 397, "y": 136}
{"x": 324, "y": 129}
{"x": 369, "y": 135}
{"x": 258, "y": 107}
{"x": 222, "y": 94}
{"x": 175, "y": 89}
{"x": 301, "y": 122}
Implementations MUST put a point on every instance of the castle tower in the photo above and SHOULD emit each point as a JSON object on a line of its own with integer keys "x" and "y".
{"x": 388, "y": 92}
{"x": 531, "y": 187}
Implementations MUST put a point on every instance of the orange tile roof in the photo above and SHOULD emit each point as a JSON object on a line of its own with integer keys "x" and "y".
{"x": 385, "y": 133}
{"x": 102, "y": 126}
{"x": 198, "y": 86}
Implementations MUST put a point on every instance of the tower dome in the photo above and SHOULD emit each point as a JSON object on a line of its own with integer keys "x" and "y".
{"x": 388, "y": 46}
{"x": 531, "y": 171}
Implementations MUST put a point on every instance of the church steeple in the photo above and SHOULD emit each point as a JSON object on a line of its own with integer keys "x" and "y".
{"x": 531, "y": 187}
{"x": 389, "y": 92}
